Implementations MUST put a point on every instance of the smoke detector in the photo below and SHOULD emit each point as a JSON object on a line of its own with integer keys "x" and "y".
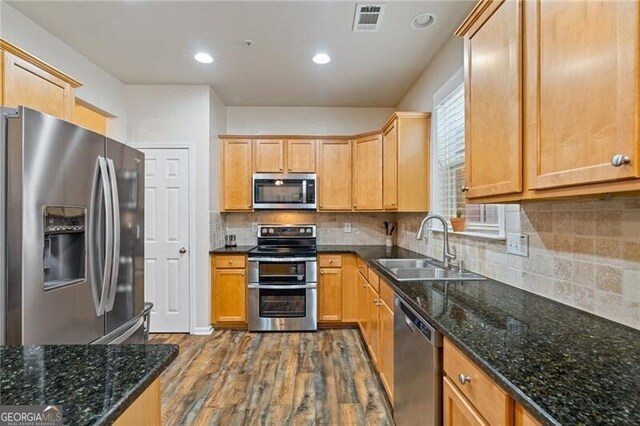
{"x": 368, "y": 17}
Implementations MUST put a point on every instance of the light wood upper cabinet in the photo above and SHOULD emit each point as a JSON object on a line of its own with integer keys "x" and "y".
{"x": 236, "y": 172}
{"x": 334, "y": 175}
{"x": 284, "y": 156}
{"x": 390, "y": 167}
{"x": 28, "y": 81}
{"x": 493, "y": 91}
{"x": 89, "y": 118}
{"x": 367, "y": 172}
{"x": 330, "y": 294}
{"x": 269, "y": 155}
{"x": 583, "y": 73}
{"x": 301, "y": 155}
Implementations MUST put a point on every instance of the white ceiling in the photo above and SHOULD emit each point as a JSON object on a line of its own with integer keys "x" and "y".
{"x": 153, "y": 42}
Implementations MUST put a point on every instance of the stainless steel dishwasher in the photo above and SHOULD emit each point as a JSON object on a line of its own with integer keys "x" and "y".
{"x": 417, "y": 367}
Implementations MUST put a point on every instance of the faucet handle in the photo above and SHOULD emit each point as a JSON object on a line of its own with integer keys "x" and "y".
{"x": 454, "y": 253}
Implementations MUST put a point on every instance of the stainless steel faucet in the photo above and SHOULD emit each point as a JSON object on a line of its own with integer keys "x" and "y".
{"x": 447, "y": 254}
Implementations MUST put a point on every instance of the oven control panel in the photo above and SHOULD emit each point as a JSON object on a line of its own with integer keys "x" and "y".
{"x": 286, "y": 231}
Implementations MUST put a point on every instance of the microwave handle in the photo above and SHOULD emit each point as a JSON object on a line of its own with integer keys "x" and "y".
{"x": 304, "y": 191}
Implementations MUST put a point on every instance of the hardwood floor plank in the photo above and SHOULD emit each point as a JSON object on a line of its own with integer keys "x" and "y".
{"x": 235, "y": 377}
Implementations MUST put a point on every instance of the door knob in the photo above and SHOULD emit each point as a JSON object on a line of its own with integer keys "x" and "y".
{"x": 182, "y": 250}
{"x": 620, "y": 159}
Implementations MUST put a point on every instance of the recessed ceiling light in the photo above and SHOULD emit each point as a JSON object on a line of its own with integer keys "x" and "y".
{"x": 202, "y": 57}
{"x": 322, "y": 58}
{"x": 422, "y": 21}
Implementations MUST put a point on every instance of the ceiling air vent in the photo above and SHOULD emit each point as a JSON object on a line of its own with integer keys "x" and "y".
{"x": 368, "y": 17}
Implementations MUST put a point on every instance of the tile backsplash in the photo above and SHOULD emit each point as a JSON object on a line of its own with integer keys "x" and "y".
{"x": 365, "y": 228}
{"x": 584, "y": 254}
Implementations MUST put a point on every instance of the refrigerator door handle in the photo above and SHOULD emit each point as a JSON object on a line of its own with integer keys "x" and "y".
{"x": 108, "y": 255}
{"x": 115, "y": 265}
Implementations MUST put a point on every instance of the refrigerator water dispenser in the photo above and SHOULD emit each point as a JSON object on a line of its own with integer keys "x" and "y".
{"x": 64, "y": 253}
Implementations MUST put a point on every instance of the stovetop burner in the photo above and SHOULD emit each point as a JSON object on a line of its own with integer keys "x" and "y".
{"x": 285, "y": 241}
{"x": 283, "y": 251}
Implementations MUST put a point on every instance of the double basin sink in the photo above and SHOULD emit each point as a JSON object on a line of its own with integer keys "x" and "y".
{"x": 424, "y": 270}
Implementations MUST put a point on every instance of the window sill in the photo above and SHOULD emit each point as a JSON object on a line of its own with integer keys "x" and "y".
{"x": 474, "y": 235}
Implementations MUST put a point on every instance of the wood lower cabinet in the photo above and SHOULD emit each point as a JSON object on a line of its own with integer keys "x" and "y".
{"x": 237, "y": 169}
{"x": 385, "y": 357}
{"x": 475, "y": 387}
{"x": 367, "y": 172}
{"x": 28, "y": 81}
{"x": 524, "y": 418}
{"x": 334, "y": 175}
{"x": 493, "y": 102}
{"x": 330, "y": 294}
{"x": 349, "y": 289}
{"x": 145, "y": 410}
{"x": 457, "y": 410}
{"x": 228, "y": 289}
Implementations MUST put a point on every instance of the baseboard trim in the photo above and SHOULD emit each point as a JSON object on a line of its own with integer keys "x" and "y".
{"x": 203, "y": 331}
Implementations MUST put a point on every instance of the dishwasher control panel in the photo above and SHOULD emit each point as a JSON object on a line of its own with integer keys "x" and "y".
{"x": 413, "y": 320}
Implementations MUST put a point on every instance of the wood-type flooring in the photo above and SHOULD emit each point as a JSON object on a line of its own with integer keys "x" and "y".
{"x": 240, "y": 378}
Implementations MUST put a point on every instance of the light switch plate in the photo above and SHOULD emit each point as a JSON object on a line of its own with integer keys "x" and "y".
{"x": 347, "y": 227}
{"x": 518, "y": 244}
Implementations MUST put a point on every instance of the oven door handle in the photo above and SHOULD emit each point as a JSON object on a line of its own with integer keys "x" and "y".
{"x": 282, "y": 259}
{"x": 282, "y": 287}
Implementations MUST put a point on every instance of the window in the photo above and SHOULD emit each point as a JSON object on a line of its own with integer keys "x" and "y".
{"x": 448, "y": 165}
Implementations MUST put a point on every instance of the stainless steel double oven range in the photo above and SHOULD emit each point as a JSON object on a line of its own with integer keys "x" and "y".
{"x": 283, "y": 272}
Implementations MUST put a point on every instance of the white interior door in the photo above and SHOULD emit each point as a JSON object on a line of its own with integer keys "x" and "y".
{"x": 167, "y": 238}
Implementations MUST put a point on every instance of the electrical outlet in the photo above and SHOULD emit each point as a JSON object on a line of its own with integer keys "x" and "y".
{"x": 518, "y": 244}
{"x": 347, "y": 227}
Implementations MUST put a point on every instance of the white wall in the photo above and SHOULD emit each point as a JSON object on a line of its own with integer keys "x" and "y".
{"x": 217, "y": 126}
{"x": 304, "y": 120}
{"x": 99, "y": 87}
{"x": 444, "y": 64}
{"x": 168, "y": 114}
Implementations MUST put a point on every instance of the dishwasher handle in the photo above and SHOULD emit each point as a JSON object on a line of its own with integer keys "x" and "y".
{"x": 416, "y": 323}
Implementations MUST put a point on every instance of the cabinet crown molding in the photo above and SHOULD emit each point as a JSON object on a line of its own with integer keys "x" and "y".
{"x": 15, "y": 50}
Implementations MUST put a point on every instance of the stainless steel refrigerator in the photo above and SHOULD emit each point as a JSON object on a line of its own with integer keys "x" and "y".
{"x": 72, "y": 252}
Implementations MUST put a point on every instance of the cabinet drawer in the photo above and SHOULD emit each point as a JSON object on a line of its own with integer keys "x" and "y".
{"x": 235, "y": 261}
{"x": 386, "y": 294}
{"x": 362, "y": 267}
{"x": 374, "y": 281}
{"x": 330, "y": 261}
{"x": 488, "y": 398}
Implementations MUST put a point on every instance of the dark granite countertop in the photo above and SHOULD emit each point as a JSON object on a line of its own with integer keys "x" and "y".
{"x": 231, "y": 250}
{"x": 94, "y": 384}
{"x": 565, "y": 366}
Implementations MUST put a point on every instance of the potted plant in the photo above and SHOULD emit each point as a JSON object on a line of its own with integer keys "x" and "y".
{"x": 457, "y": 223}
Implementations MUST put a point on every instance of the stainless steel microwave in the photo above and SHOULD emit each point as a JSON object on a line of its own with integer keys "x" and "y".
{"x": 284, "y": 191}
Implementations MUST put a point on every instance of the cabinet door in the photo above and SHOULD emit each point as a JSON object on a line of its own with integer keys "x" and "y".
{"x": 349, "y": 289}
{"x": 584, "y": 74}
{"x": 301, "y": 156}
{"x": 373, "y": 326}
{"x": 89, "y": 118}
{"x": 334, "y": 174}
{"x": 363, "y": 306}
{"x": 229, "y": 295}
{"x": 524, "y": 418}
{"x": 386, "y": 348}
{"x": 236, "y": 174}
{"x": 367, "y": 173}
{"x": 457, "y": 410}
{"x": 26, "y": 84}
{"x": 493, "y": 144}
{"x": 269, "y": 155}
{"x": 330, "y": 294}
{"x": 390, "y": 167}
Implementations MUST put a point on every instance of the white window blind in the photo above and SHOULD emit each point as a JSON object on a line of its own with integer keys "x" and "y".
{"x": 449, "y": 168}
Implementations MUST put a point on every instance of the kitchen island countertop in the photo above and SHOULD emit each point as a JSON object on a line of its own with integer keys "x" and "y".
{"x": 94, "y": 384}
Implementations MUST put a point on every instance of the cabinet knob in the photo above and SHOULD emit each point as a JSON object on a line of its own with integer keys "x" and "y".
{"x": 242, "y": 273}
{"x": 463, "y": 379}
{"x": 330, "y": 260}
{"x": 464, "y": 188}
{"x": 289, "y": 168}
{"x": 230, "y": 262}
{"x": 620, "y": 159}
{"x": 355, "y": 205}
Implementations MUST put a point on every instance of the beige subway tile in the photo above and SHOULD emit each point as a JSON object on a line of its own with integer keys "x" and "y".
{"x": 562, "y": 268}
{"x": 543, "y": 222}
{"x": 583, "y": 247}
{"x": 609, "y": 279}
{"x": 562, "y": 222}
{"x": 608, "y": 224}
{"x": 631, "y": 251}
{"x": 631, "y": 286}
{"x": 608, "y": 247}
{"x": 584, "y": 298}
{"x": 583, "y": 274}
{"x": 609, "y": 305}
{"x": 584, "y": 222}
{"x": 562, "y": 243}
